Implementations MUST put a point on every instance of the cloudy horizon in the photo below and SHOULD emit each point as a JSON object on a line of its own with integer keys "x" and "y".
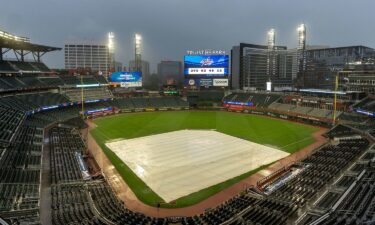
{"x": 171, "y": 27}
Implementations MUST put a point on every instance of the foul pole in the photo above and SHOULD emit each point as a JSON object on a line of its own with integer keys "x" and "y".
{"x": 335, "y": 98}
{"x": 82, "y": 98}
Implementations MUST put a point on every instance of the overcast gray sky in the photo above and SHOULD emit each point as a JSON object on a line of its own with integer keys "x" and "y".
{"x": 170, "y": 27}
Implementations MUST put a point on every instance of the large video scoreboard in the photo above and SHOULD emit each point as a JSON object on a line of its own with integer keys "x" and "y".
{"x": 127, "y": 79}
{"x": 206, "y": 70}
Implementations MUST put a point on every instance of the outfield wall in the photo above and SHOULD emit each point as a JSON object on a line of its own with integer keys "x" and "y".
{"x": 264, "y": 112}
{"x": 287, "y": 116}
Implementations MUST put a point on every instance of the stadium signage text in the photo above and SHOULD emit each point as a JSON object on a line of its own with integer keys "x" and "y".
{"x": 220, "y": 82}
{"x": 365, "y": 112}
{"x": 193, "y": 71}
{"x": 239, "y": 103}
{"x": 88, "y": 112}
{"x": 205, "y": 52}
{"x": 87, "y": 85}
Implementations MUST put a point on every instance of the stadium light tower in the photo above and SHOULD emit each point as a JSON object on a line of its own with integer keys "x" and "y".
{"x": 301, "y": 47}
{"x": 137, "y": 51}
{"x": 271, "y": 57}
{"x": 301, "y": 36}
{"x": 111, "y": 44}
{"x": 271, "y": 38}
{"x": 111, "y": 50}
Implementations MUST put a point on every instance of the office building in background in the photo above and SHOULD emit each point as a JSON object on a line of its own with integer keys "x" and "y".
{"x": 118, "y": 67}
{"x": 170, "y": 71}
{"x": 87, "y": 55}
{"x": 144, "y": 68}
{"x": 253, "y": 66}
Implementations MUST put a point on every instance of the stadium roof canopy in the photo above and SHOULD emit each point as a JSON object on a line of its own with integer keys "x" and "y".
{"x": 22, "y": 46}
{"x": 27, "y": 46}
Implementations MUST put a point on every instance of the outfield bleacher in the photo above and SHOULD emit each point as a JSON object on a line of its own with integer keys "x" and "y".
{"x": 75, "y": 94}
{"x": 302, "y": 110}
{"x": 43, "y": 99}
{"x": 278, "y": 103}
{"x": 51, "y": 81}
{"x": 257, "y": 99}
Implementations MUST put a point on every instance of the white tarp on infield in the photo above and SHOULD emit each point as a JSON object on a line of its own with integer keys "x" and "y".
{"x": 179, "y": 163}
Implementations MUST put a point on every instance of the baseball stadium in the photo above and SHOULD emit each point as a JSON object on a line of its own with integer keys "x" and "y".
{"x": 83, "y": 149}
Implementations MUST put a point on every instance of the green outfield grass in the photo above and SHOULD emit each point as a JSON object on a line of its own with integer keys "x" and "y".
{"x": 284, "y": 135}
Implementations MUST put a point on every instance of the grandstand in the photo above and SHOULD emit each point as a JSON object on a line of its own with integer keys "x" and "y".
{"x": 24, "y": 120}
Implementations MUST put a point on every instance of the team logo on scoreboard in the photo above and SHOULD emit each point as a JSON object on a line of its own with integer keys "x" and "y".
{"x": 191, "y": 82}
{"x": 207, "y": 62}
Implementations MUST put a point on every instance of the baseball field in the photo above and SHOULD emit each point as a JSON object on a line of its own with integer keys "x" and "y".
{"x": 272, "y": 133}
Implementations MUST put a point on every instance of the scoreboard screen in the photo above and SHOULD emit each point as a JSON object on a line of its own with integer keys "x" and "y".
{"x": 206, "y": 71}
{"x": 206, "y": 66}
{"x": 127, "y": 79}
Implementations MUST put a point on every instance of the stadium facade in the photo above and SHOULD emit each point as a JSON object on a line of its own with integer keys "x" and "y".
{"x": 359, "y": 77}
{"x": 322, "y": 65}
{"x": 93, "y": 56}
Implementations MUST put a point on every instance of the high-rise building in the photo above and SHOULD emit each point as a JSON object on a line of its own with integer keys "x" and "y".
{"x": 118, "y": 67}
{"x": 252, "y": 66}
{"x": 170, "y": 70}
{"x": 87, "y": 55}
{"x": 144, "y": 68}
